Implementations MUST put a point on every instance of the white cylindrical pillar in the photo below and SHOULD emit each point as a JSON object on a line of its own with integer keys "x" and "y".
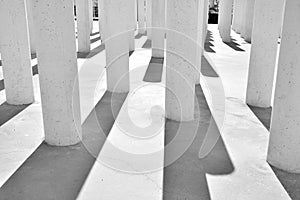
{"x": 225, "y": 13}
{"x": 141, "y": 16}
{"x": 202, "y": 31}
{"x": 249, "y": 20}
{"x": 15, "y": 52}
{"x": 131, "y": 24}
{"x": 158, "y": 31}
{"x": 203, "y": 20}
{"x": 58, "y": 71}
{"x": 117, "y": 45}
{"x": 135, "y": 14}
{"x": 182, "y": 33}
{"x": 30, "y": 26}
{"x": 149, "y": 18}
{"x": 284, "y": 146}
{"x": 267, "y": 20}
{"x": 91, "y": 15}
{"x": 101, "y": 15}
{"x": 235, "y": 15}
{"x": 243, "y": 18}
{"x": 83, "y": 25}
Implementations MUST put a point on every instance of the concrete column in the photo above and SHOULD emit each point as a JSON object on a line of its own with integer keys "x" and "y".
{"x": 225, "y": 13}
{"x": 131, "y": 24}
{"x": 249, "y": 12}
{"x": 243, "y": 18}
{"x": 101, "y": 13}
{"x": 203, "y": 20}
{"x": 135, "y": 14}
{"x": 267, "y": 20}
{"x": 158, "y": 31}
{"x": 284, "y": 148}
{"x": 141, "y": 16}
{"x": 58, "y": 71}
{"x": 237, "y": 16}
{"x": 83, "y": 25}
{"x": 202, "y": 30}
{"x": 182, "y": 33}
{"x": 202, "y": 26}
{"x": 91, "y": 14}
{"x": 117, "y": 45}
{"x": 149, "y": 18}
{"x": 30, "y": 18}
{"x": 15, "y": 52}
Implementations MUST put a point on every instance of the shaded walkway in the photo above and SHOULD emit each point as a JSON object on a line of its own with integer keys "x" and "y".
{"x": 59, "y": 172}
{"x": 186, "y": 178}
{"x": 154, "y": 70}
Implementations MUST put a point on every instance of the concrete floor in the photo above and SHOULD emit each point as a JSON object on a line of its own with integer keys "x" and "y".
{"x": 291, "y": 182}
{"x": 59, "y": 172}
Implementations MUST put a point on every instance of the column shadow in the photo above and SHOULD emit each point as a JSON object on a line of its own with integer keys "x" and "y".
{"x": 131, "y": 52}
{"x": 209, "y": 42}
{"x": 186, "y": 177}
{"x": 95, "y": 39}
{"x": 59, "y": 172}
{"x": 139, "y": 35}
{"x": 207, "y": 69}
{"x": 92, "y": 53}
{"x": 234, "y": 45}
{"x": 154, "y": 71}
{"x": 10, "y": 111}
{"x": 95, "y": 33}
{"x": 2, "y": 85}
{"x": 290, "y": 182}
{"x": 147, "y": 44}
{"x": 263, "y": 114}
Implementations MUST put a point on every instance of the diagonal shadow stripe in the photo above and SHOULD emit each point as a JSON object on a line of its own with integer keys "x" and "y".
{"x": 9, "y": 111}
{"x": 154, "y": 70}
{"x": 147, "y": 44}
{"x": 59, "y": 172}
{"x": 180, "y": 183}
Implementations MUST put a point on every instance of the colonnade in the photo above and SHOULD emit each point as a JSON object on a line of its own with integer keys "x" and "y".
{"x": 261, "y": 23}
{"x": 51, "y": 34}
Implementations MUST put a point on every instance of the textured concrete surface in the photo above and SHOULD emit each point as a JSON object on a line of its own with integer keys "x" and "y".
{"x": 249, "y": 20}
{"x": 186, "y": 178}
{"x": 117, "y": 45}
{"x": 56, "y": 51}
{"x": 124, "y": 164}
{"x": 264, "y": 46}
{"x": 182, "y": 58}
{"x": 141, "y": 16}
{"x": 149, "y": 18}
{"x": 154, "y": 70}
{"x": 158, "y": 24}
{"x": 16, "y": 144}
{"x": 290, "y": 181}
{"x": 225, "y": 13}
{"x": 245, "y": 138}
{"x": 284, "y": 143}
{"x": 16, "y": 64}
{"x": 83, "y": 25}
{"x": 236, "y": 168}
{"x": 59, "y": 172}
